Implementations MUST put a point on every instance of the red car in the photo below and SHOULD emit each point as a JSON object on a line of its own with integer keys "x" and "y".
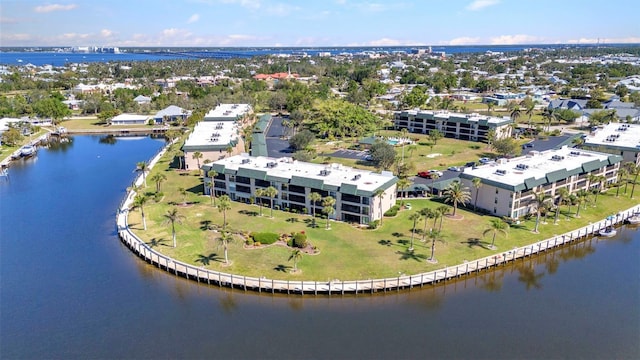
{"x": 424, "y": 174}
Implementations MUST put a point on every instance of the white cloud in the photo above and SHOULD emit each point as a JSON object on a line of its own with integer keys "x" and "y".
{"x": 54, "y": 7}
{"x": 464, "y": 40}
{"x": 106, "y": 32}
{"x": 193, "y": 18}
{"x": 626, "y": 40}
{"x": 249, "y": 4}
{"x": 6, "y": 20}
{"x": 481, "y": 4}
{"x": 281, "y": 9}
{"x": 515, "y": 39}
{"x": 6, "y": 38}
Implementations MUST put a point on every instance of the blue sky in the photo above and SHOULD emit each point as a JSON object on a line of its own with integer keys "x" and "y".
{"x": 315, "y": 23}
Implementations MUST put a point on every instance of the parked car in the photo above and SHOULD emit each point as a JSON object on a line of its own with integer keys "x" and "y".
{"x": 423, "y": 174}
{"x": 527, "y": 145}
{"x": 485, "y": 160}
{"x": 455, "y": 168}
{"x": 437, "y": 172}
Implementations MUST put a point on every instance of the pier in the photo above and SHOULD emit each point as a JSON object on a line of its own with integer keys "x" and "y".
{"x": 338, "y": 287}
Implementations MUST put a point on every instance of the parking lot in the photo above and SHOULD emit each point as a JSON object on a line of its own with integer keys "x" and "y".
{"x": 351, "y": 154}
{"x": 277, "y": 144}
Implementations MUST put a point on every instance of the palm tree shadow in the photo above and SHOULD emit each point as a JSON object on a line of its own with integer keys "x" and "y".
{"x": 403, "y": 241}
{"x": 247, "y": 212}
{"x": 293, "y": 220}
{"x": 206, "y": 259}
{"x": 205, "y": 225}
{"x": 385, "y": 242}
{"x": 411, "y": 255}
{"x": 282, "y": 268}
{"x": 473, "y": 242}
{"x": 156, "y": 242}
{"x": 397, "y": 234}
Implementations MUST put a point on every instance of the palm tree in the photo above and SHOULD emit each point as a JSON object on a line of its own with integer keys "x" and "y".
{"x": 456, "y": 193}
{"x": 295, "y": 255}
{"x": 635, "y": 171}
{"x": 441, "y": 211}
{"x": 271, "y": 192}
{"x": 380, "y": 195}
{"x": 314, "y": 197}
{"x": 548, "y": 115}
{"x": 539, "y": 201}
{"x": 427, "y": 214}
{"x": 327, "y": 207}
{"x": 563, "y": 194}
{"x": 259, "y": 193}
{"x": 433, "y": 177}
{"x": 224, "y": 204}
{"x": 403, "y": 184}
{"x": 529, "y": 111}
{"x": 433, "y": 235}
{"x": 158, "y": 178}
{"x": 229, "y": 150}
{"x": 197, "y": 155}
{"x": 582, "y": 195}
{"x": 496, "y": 226}
{"x": 629, "y": 170}
{"x": 490, "y": 106}
{"x": 212, "y": 174}
{"x": 622, "y": 172}
{"x": 403, "y": 135}
{"x": 143, "y": 168}
{"x": 183, "y": 192}
{"x": 211, "y": 187}
{"x": 180, "y": 156}
{"x": 477, "y": 183}
{"x": 413, "y": 217}
{"x": 515, "y": 113}
{"x": 224, "y": 239}
{"x": 596, "y": 190}
{"x": 138, "y": 202}
{"x": 172, "y": 217}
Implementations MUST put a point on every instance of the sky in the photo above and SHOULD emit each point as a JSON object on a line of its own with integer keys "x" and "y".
{"x": 307, "y": 23}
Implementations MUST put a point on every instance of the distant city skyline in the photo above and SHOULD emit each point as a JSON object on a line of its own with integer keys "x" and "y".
{"x": 288, "y": 23}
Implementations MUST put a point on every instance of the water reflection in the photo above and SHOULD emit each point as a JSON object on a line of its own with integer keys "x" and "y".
{"x": 60, "y": 143}
{"x": 108, "y": 139}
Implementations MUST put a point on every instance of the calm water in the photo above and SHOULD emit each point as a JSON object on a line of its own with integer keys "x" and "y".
{"x": 69, "y": 289}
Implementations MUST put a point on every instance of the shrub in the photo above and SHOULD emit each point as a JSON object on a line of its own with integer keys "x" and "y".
{"x": 290, "y": 243}
{"x": 158, "y": 196}
{"x": 250, "y": 241}
{"x": 374, "y": 224}
{"x": 300, "y": 240}
{"x": 391, "y": 212}
{"x": 265, "y": 237}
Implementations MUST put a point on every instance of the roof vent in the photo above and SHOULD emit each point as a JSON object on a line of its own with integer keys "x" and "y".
{"x": 357, "y": 177}
{"x": 557, "y": 158}
{"x": 246, "y": 161}
{"x": 575, "y": 153}
{"x": 324, "y": 172}
{"x": 501, "y": 172}
{"x": 522, "y": 166}
{"x": 272, "y": 164}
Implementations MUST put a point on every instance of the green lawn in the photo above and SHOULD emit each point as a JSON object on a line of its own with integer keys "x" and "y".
{"x": 92, "y": 123}
{"x": 346, "y": 252}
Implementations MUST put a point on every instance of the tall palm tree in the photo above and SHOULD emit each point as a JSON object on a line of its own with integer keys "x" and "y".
{"x": 433, "y": 235}
{"x": 622, "y": 173}
{"x": 211, "y": 187}
{"x": 380, "y": 195}
{"x": 197, "y": 156}
{"x": 456, "y": 194}
{"x": 496, "y": 226}
{"x": 515, "y": 113}
{"x": 271, "y": 192}
{"x": 441, "y": 211}
{"x": 415, "y": 217}
{"x": 158, "y": 178}
{"x": 180, "y": 156}
{"x": 183, "y": 192}
{"x": 599, "y": 179}
{"x": 224, "y": 204}
{"x": 259, "y": 193}
{"x": 314, "y": 197}
{"x": 212, "y": 175}
{"x": 635, "y": 171}
{"x": 548, "y": 115}
{"x": 539, "y": 201}
{"x": 403, "y": 184}
{"x": 582, "y": 196}
{"x": 490, "y": 106}
{"x": 629, "y": 169}
{"x": 563, "y": 194}
{"x": 477, "y": 183}
{"x": 138, "y": 202}
{"x": 224, "y": 239}
{"x": 172, "y": 216}
{"x": 403, "y": 135}
{"x": 143, "y": 168}
{"x": 229, "y": 150}
{"x": 530, "y": 110}
{"x": 433, "y": 177}
{"x": 295, "y": 255}
{"x": 426, "y": 214}
{"x": 327, "y": 207}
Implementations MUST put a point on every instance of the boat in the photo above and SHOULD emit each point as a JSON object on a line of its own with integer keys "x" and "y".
{"x": 634, "y": 220}
{"x": 608, "y": 232}
{"x": 27, "y": 151}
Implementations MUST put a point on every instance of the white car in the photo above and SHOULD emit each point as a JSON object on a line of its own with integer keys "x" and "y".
{"x": 484, "y": 160}
{"x": 437, "y": 172}
{"x": 455, "y": 168}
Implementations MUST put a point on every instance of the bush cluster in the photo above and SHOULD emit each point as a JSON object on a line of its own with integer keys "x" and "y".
{"x": 393, "y": 211}
{"x": 265, "y": 238}
{"x": 300, "y": 240}
{"x": 374, "y": 224}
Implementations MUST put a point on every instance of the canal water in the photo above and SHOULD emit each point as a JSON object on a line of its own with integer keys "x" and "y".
{"x": 70, "y": 290}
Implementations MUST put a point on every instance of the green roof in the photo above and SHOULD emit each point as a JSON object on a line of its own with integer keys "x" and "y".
{"x": 262, "y": 123}
{"x": 258, "y": 145}
{"x": 307, "y": 182}
{"x": 252, "y": 173}
{"x": 349, "y": 189}
{"x": 594, "y": 164}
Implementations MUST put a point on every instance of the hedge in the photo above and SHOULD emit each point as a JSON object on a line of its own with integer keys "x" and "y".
{"x": 265, "y": 238}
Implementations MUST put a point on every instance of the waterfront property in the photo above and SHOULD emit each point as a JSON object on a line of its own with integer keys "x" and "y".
{"x": 360, "y": 196}
{"x": 509, "y": 185}
{"x": 214, "y": 140}
{"x": 170, "y": 114}
{"x": 130, "y": 119}
{"x": 472, "y": 127}
{"x": 616, "y": 138}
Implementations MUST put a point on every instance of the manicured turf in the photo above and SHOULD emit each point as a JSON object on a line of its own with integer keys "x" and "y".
{"x": 346, "y": 252}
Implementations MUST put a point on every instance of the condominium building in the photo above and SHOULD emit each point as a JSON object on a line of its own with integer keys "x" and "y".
{"x": 214, "y": 140}
{"x": 509, "y": 185}
{"x": 616, "y": 138}
{"x": 228, "y": 112}
{"x": 472, "y": 127}
{"x": 360, "y": 196}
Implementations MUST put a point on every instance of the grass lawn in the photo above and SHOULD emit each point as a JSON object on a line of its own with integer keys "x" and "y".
{"x": 346, "y": 252}
{"x": 92, "y": 123}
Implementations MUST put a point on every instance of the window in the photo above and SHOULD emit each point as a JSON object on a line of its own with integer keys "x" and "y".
{"x": 495, "y": 201}
{"x": 496, "y": 190}
{"x": 495, "y": 210}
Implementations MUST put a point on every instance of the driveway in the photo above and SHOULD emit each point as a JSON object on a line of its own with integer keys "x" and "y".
{"x": 277, "y": 145}
{"x": 351, "y": 154}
